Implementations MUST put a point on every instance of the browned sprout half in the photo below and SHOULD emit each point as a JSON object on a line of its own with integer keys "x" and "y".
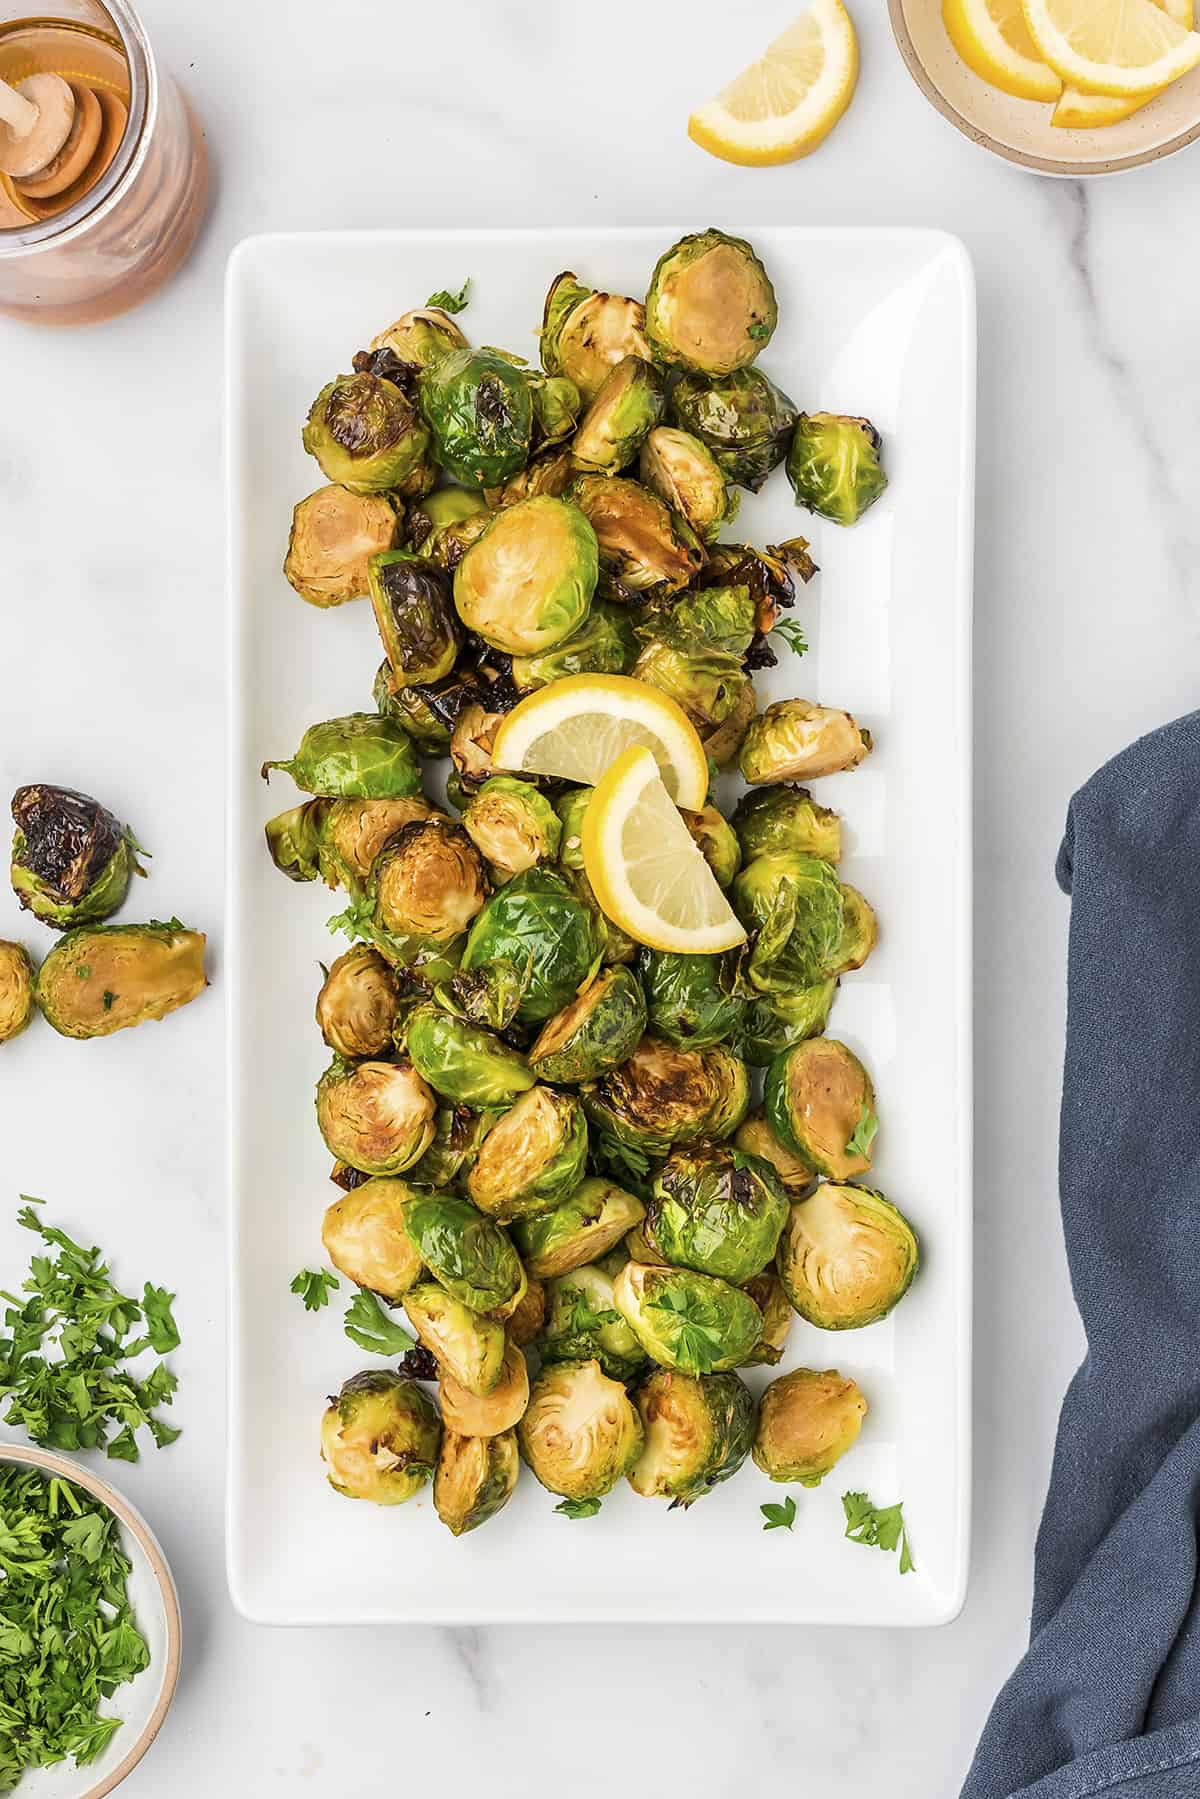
{"x": 380, "y": 1438}
{"x": 806, "y": 1423}
{"x": 380, "y": 1117}
{"x": 524, "y": 1323}
{"x": 684, "y": 472}
{"x": 860, "y": 928}
{"x": 105, "y": 978}
{"x": 626, "y": 408}
{"x": 585, "y": 333}
{"x": 710, "y": 305}
{"x": 723, "y": 743}
{"x": 475, "y": 1479}
{"x": 487, "y": 1414}
{"x": 357, "y": 1004}
{"x": 756, "y": 1137}
{"x": 16, "y": 990}
{"x": 644, "y": 546}
{"x": 334, "y": 535}
{"x": 355, "y": 831}
{"x": 471, "y": 744}
{"x": 429, "y": 882}
{"x": 797, "y": 740}
{"x": 821, "y": 1104}
{"x": 468, "y": 1345}
{"x": 364, "y": 1237}
{"x": 767, "y": 1292}
{"x": 421, "y": 337}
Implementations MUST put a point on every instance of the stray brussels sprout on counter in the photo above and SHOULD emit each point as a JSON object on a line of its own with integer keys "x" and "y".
{"x": 71, "y": 859}
{"x": 362, "y": 756}
{"x": 475, "y": 1479}
{"x": 796, "y": 739}
{"x": 718, "y": 1211}
{"x": 365, "y": 433}
{"x": 105, "y": 978}
{"x": 467, "y": 1253}
{"x": 767, "y": 1292}
{"x": 488, "y": 1414}
{"x": 580, "y": 1434}
{"x": 379, "y": 1438}
{"x": 364, "y": 1237}
{"x": 662, "y": 1095}
{"x": 17, "y": 977}
{"x": 624, "y": 411}
{"x": 512, "y": 825}
{"x": 582, "y": 1228}
{"x": 414, "y": 610}
{"x": 603, "y": 645}
{"x": 743, "y": 419}
{"x": 806, "y": 1423}
{"x": 846, "y": 1257}
{"x": 423, "y": 337}
{"x": 532, "y": 1157}
{"x": 699, "y": 1429}
{"x": 467, "y": 1345}
{"x": 528, "y": 581}
{"x": 462, "y": 1062}
{"x": 691, "y": 1000}
{"x": 377, "y": 1116}
{"x": 644, "y": 547}
{"x": 687, "y": 1320}
{"x": 357, "y": 1004}
{"x": 710, "y": 304}
{"x": 585, "y": 334}
{"x": 479, "y": 407}
{"x": 821, "y": 1104}
{"x": 860, "y": 929}
{"x": 334, "y": 535}
{"x": 715, "y": 838}
{"x": 295, "y": 839}
{"x": 535, "y": 921}
{"x": 787, "y": 818}
{"x": 774, "y": 1021}
{"x": 792, "y": 905}
{"x": 834, "y": 466}
{"x": 583, "y": 1325}
{"x": 428, "y": 884}
{"x": 683, "y": 472}
{"x": 756, "y": 1138}
{"x": 596, "y": 1032}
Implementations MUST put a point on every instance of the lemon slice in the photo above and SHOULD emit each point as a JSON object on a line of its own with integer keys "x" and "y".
{"x": 993, "y": 38}
{"x": 576, "y": 728}
{"x": 783, "y": 105}
{"x": 1127, "y": 48}
{"x": 648, "y": 875}
{"x": 1077, "y": 111}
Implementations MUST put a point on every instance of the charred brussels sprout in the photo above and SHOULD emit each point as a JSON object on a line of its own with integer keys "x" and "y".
{"x": 594, "y": 1033}
{"x": 603, "y": 645}
{"x": 445, "y": 506}
{"x": 860, "y": 929}
{"x": 834, "y": 466}
{"x": 774, "y": 1021}
{"x": 357, "y": 1003}
{"x": 756, "y": 1138}
{"x": 528, "y": 581}
{"x": 471, "y": 749}
{"x": 718, "y": 1211}
{"x": 714, "y": 836}
{"x": 742, "y": 418}
{"x": 377, "y": 1116}
{"x": 550, "y": 472}
{"x": 767, "y": 1292}
{"x": 793, "y": 905}
{"x": 467, "y": 1253}
{"x": 295, "y": 838}
{"x": 690, "y": 999}
{"x": 455, "y": 1145}
{"x": 583, "y": 1325}
{"x": 429, "y": 884}
{"x": 583, "y": 1228}
{"x": 585, "y": 333}
{"x": 535, "y": 921}
{"x": 447, "y": 544}
{"x": 683, "y": 472}
{"x": 104, "y": 978}
{"x": 687, "y": 1320}
{"x": 625, "y": 410}
{"x": 423, "y": 337}
{"x": 846, "y": 1257}
{"x": 580, "y": 1433}
{"x": 475, "y": 1479}
{"x": 708, "y": 684}
{"x": 379, "y": 1438}
{"x": 334, "y": 535}
{"x": 699, "y": 1429}
{"x": 16, "y": 990}
{"x": 71, "y": 859}
{"x": 409, "y": 708}
{"x": 532, "y": 1158}
{"x": 819, "y": 1099}
{"x": 710, "y": 304}
{"x": 467, "y": 1346}
{"x": 414, "y": 610}
{"x": 479, "y": 407}
{"x": 365, "y": 433}
{"x": 466, "y": 1064}
{"x": 512, "y": 825}
{"x": 787, "y": 818}
{"x": 795, "y": 739}
{"x": 806, "y": 1423}
{"x": 556, "y": 405}
{"x": 361, "y": 756}
{"x": 662, "y": 1095}
{"x": 644, "y": 547}
{"x": 364, "y": 1237}
{"x": 487, "y": 1414}
{"x": 354, "y": 832}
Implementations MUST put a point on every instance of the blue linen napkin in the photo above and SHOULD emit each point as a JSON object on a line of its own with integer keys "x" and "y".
{"x": 1107, "y": 1697}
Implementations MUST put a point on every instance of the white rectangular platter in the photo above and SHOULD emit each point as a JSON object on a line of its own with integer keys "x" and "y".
{"x": 880, "y": 323}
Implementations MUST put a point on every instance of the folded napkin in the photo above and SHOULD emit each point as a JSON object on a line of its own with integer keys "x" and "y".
{"x": 1107, "y": 1697}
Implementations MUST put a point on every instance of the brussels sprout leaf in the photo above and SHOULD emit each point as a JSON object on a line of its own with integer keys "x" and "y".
{"x": 578, "y": 1508}
{"x": 779, "y": 1517}
{"x": 451, "y": 302}
{"x": 368, "y": 1325}
{"x": 879, "y": 1527}
{"x": 314, "y": 1285}
{"x": 864, "y": 1132}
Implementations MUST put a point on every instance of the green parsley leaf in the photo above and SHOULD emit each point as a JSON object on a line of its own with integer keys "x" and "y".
{"x": 759, "y": 330}
{"x": 451, "y": 302}
{"x": 314, "y": 1285}
{"x": 578, "y": 1508}
{"x": 368, "y": 1325}
{"x": 878, "y": 1527}
{"x": 864, "y": 1132}
{"x": 792, "y": 632}
{"x": 779, "y": 1517}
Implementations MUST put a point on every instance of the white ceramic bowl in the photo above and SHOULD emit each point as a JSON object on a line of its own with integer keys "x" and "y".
{"x": 144, "y": 1701}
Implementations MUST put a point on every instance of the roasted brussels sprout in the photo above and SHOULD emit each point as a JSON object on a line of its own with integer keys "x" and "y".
{"x": 806, "y": 1423}
{"x": 409, "y": 708}
{"x": 683, "y": 472}
{"x": 834, "y": 465}
{"x": 756, "y": 1138}
{"x": 455, "y": 1145}
{"x": 643, "y": 546}
{"x": 767, "y": 1292}
{"x": 819, "y": 1099}
{"x": 535, "y": 921}
{"x": 71, "y": 859}
{"x": 471, "y": 748}
{"x": 603, "y": 645}
{"x": 353, "y": 832}
{"x": 467, "y": 1253}
{"x": 580, "y": 1433}
{"x": 699, "y": 1429}
{"x": 784, "y": 817}
{"x": 528, "y": 581}
{"x": 357, "y": 1003}
{"x": 364, "y": 1237}
{"x": 532, "y": 1158}
{"x": 714, "y": 836}
{"x": 414, "y": 610}
{"x": 723, "y": 742}
{"x": 475, "y": 1478}
{"x": 712, "y": 617}
{"x": 742, "y": 418}
{"x": 624, "y": 411}
{"x": 718, "y": 1211}
{"x": 691, "y": 1000}
{"x": 687, "y": 1320}
{"x": 422, "y": 337}
{"x": 710, "y": 304}
{"x": 365, "y": 433}
{"x": 445, "y": 506}
{"x": 512, "y": 825}
{"x": 104, "y": 978}
{"x": 448, "y": 543}
{"x": 846, "y": 1257}
{"x": 17, "y": 978}
{"x": 708, "y": 684}
{"x": 596, "y": 1032}
{"x": 662, "y": 1095}
{"x": 377, "y": 1116}
{"x": 487, "y": 1414}
{"x": 571, "y": 807}
{"x": 793, "y": 906}
{"x": 549, "y": 472}
{"x": 797, "y": 739}
{"x": 334, "y": 535}
{"x": 585, "y": 334}
{"x": 774, "y": 1021}
{"x": 468, "y": 1346}
{"x": 582, "y": 1228}
{"x": 860, "y": 928}
{"x": 479, "y": 407}
{"x": 556, "y": 407}
{"x": 379, "y": 1438}
{"x": 362, "y": 756}
{"x": 583, "y": 1325}
{"x": 468, "y": 1065}
{"x": 428, "y": 883}
{"x": 295, "y": 837}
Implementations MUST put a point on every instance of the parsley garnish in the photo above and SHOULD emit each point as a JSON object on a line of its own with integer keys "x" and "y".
{"x": 779, "y": 1517}
{"x": 792, "y": 632}
{"x": 451, "y": 302}
{"x": 879, "y": 1527}
{"x": 697, "y": 1346}
{"x": 368, "y": 1325}
{"x": 109, "y": 997}
{"x": 759, "y": 330}
{"x": 578, "y": 1508}
{"x": 314, "y": 1285}
{"x": 864, "y": 1132}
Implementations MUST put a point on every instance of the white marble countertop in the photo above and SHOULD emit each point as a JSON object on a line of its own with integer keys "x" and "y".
{"x": 112, "y": 584}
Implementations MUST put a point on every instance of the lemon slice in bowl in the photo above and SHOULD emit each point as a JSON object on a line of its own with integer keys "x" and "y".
{"x": 1126, "y": 48}
{"x": 649, "y": 876}
{"x": 786, "y": 102}
{"x": 993, "y": 38}
{"x": 1077, "y": 111}
{"x": 575, "y": 729}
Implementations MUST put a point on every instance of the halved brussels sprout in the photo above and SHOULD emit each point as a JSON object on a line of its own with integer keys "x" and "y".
{"x": 549, "y": 472}
{"x": 294, "y": 839}
{"x": 16, "y": 990}
{"x": 585, "y": 334}
{"x": 756, "y": 1138}
{"x": 795, "y": 739}
{"x": 774, "y": 1021}
{"x": 414, "y": 610}
{"x": 767, "y": 1292}
{"x": 105, "y": 978}
{"x": 468, "y": 1065}
{"x": 377, "y": 1116}
{"x": 528, "y": 581}
{"x": 860, "y": 928}
{"x": 455, "y": 1145}
{"x": 718, "y": 1211}
{"x": 595, "y": 1032}
{"x": 535, "y": 921}
{"x": 471, "y": 749}
{"x": 467, "y": 1345}
{"x": 571, "y": 807}
{"x": 792, "y": 905}
{"x": 489, "y": 1414}
{"x": 71, "y": 859}
{"x": 479, "y": 407}
{"x": 379, "y": 1438}
{"x": 708, "y": 684}
{"x": 532, "y": 1158}
{"x": 834, "y": 465}
{"x": 699, "y": 1430}
{"x": 353, "y": 832}
{"x": 357, "y": 1003}
{"x": 467, "y": 1253}
{"x": 364, "y": 1237}
{"x": 334, "y": 535}
{"x": 362, "y": 756}
{"x": 714, "y": 836}
{"x": 846, "y": 1257}
{"x": 422, "y": 337}
{"x": 785, "y": 817}
{"x": 624, "y": 411}
{"x": 683, "y": 472}
{"x": 691, "y": 1000}
{"x": 448, "y": 543}
{"x": 365, "y": 433}
{"x": 742, "y": 418}
{"x": 556, "y": 407}
{"x": 639, "y": 1245}
{"x": 583, "y": 1325}
{"x": 428, "y": 883}
{"x": 512, "y": 825}
{"x": 445, "y": 506}
{"x": 475, "y": 1478}
{"x": 524, "y": 1321}
{"x": 806, "y": 1423}
{"x": 821, "y": 1104}
{"x": 662, "y": 1095}
{"x": 710, "y": 304}
{"x": 643, "y": 545}
{"x": 724, "y": 741}
{"x": 687, "y": 1320}
{"x": 580, "y": 1433}
{"x": 583, "y": 1228}
{"x": 604, "y": 644}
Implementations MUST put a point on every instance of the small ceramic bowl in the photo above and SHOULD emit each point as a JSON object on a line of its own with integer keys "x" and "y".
{"x": 144, "y": 1701}
{"x": 1020, "y": 130}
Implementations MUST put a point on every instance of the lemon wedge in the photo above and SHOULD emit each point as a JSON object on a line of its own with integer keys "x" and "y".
{"x": 648, "y": 875}
{"x": 1077, "y": 111}
{"x": 993, "y": 38}
{"x": 786, "y": 102}
{"x": 1127, "y": 48}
